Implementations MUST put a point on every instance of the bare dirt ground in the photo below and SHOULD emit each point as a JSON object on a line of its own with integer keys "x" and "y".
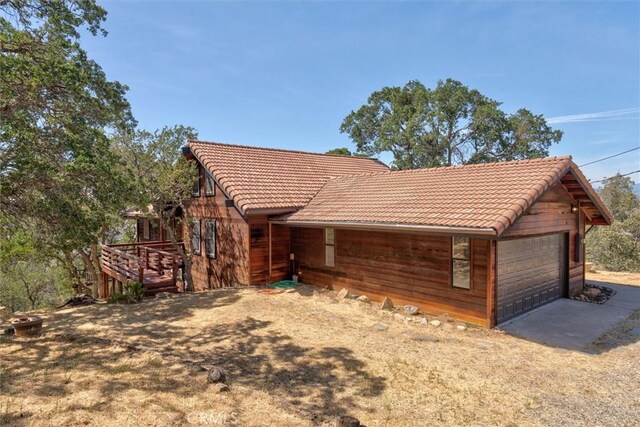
{"x": 297, "y": 359}
{"x": 615, "y": 277}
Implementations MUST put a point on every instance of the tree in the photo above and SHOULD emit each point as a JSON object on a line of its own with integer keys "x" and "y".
{"x": 163, "y": 175}
{"x": 448, "y": 125}
{"x": 58, "y": 173}
{"x": 342, "y": 151}
{"x": 617, "y": 193}
{"x": 617, "y": 247}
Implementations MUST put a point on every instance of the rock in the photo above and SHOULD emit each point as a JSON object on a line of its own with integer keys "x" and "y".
{"x": 221, "y": 387}
{"x": 315, "y": 293}
{"x": 424, "y": 321}
{"x": 380, "y": 327}
{"x": 343, "y": 294}
{"x": 386, "y": 304}
{"x": 435, "y": 323}
{"x": 347, "y": 421}
{"x": 163, "y": 295}
{"x": 424, "y": 337}
{"x": 461, "y": 328}
{"x": 399, "y": 317}
{"x": 594, "y": 292}
{"x": 216, "y": 375}
{"x": 363, "y": 298}
{"x": 5, "y": 313}
{"x": 411, "y": 310}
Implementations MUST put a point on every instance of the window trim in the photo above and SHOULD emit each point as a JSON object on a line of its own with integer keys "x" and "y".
{"x": 215, "y": 238}
{"x": 329, "y": 245}
{"x": 452, "y": 261}
{"x": 208, "y": 178}
{"x": 196, "y": 222}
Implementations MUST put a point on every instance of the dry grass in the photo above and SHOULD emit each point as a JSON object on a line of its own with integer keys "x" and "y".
{"x": 614, "y": 277}
{"x": 298, "y": 359}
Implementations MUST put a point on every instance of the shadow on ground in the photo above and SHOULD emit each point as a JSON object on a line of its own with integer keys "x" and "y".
{"x": 314, "y": 382}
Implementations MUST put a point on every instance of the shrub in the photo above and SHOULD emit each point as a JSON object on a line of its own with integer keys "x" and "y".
{"x": 133, "y": 293}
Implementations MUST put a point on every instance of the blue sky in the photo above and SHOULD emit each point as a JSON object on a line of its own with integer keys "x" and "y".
{"x": 285, "y": 74}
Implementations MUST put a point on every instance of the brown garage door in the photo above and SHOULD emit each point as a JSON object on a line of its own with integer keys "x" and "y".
{"x": 530, "y": 274}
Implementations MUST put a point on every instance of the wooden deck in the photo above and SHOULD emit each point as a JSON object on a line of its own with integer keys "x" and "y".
{"x": 153, "y": 264}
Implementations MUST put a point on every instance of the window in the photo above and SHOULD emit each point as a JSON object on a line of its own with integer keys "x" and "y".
{"x": 210, "y": 238}
{"x": 460, "y": 262}
{"x": 329, "y": 247}
{"x": 145, "y": 228}
{"x": 195, "y": 237}
{"x": 209, "y": 185}
{"x": 195, "y": 192}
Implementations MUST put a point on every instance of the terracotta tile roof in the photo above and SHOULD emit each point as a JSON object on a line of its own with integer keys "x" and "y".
{"x": 486, "y": 196}
{"x": 267, "y": 178}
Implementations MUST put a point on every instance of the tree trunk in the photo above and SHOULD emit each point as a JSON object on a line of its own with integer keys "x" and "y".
{"x": 166, "y": 218}
{"x": 94, "y": 270}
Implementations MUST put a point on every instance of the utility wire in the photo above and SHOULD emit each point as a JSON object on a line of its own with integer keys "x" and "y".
{"x": 610, "y": 157}
{"x": 624, "y": 174}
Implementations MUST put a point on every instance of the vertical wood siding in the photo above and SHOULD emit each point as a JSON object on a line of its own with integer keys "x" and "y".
{"x": 407, "y": 268}
{"x": 259, "y": 251}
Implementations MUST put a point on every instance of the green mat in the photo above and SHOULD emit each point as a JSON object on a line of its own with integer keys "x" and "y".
{"x": 285, "y": 284}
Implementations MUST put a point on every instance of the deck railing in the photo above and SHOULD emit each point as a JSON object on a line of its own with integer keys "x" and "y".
{"x": 137, "y": 261}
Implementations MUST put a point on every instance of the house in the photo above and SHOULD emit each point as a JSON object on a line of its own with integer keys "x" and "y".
{"x": 483, "y": 243}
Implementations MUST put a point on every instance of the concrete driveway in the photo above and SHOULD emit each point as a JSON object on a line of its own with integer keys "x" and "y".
{"x": 575, "y": 324}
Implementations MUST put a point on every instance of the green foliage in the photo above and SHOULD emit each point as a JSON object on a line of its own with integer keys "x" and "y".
{"x": 133, "y": 292}
{"x": 617, "y": 193}
{"x": 343, "y": 151}
{"x": 617, "y": 247}
{"x": 448, "y": 125}
{"x": 29, "y": 279}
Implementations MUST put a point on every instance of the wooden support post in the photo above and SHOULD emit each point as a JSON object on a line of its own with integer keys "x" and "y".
{"x": 491, "y": 283}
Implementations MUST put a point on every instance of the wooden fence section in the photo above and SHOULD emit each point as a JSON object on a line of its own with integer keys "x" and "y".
{"x": 153, "y": 264}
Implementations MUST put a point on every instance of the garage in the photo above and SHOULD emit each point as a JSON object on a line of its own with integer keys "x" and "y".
{"x": 530, "y": 274}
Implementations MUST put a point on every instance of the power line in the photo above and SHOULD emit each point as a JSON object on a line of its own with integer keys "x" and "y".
{"x": 610, "y": 157}
{"x": 624, "y": 174}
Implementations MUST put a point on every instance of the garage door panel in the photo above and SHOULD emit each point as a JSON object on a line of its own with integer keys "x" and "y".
{"x": 529, "y": 274}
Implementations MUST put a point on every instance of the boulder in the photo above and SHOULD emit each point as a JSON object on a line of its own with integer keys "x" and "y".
{"x": 343, "y": 294}
{"x": 363, "y": 298}
{"x": 435, "y": 323}
{"x": 411, "y": 310}
{"x": 216, "y": 375}
{"x": 221, "y": 387}
{"x": 386, "y": 304}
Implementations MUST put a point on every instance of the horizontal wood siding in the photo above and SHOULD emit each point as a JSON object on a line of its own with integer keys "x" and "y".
{"x": 552, "y": 214}
{"x": 231, "y": 265}
{"x": 407, "y": 268}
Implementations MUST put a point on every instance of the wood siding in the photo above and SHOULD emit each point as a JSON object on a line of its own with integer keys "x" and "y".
{"x": 259, "y": 251}
{"x": 231, "y": 264}
{"x": 552, "y": 214}
{"x": 407, "y": 268}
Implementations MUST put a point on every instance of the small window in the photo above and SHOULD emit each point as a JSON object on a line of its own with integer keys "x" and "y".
{"x": 460, "y": 262}
{"x": 145, "y": 228}
{"x": 210, "y": 238}
{"x": 329, "y": 247}
{"x": 195, "y": 192}
{"x": 195, "y": 237}
{"x": 209, "y": 185}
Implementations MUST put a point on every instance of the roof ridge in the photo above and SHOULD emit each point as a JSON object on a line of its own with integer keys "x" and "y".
{"x": 226, "y": 144}
{"x": 452, "y": 167}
